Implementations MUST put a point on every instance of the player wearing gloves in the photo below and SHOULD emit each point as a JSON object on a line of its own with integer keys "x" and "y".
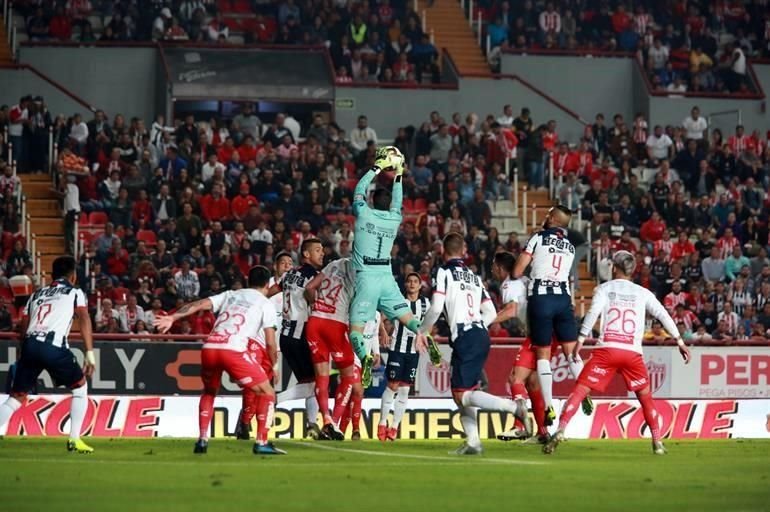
{"x": 375, "y": 231}
{"x": 622, "y": 306}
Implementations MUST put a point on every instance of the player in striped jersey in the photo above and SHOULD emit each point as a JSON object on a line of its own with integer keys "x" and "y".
{"x": 549, "y": 311}
{"x": 402, "y": 362}
{"x": 259, "y": 348}
{"x": 461, "y": 295}
{"x": 293, "y": 342}
{"x": 45, "y": 324}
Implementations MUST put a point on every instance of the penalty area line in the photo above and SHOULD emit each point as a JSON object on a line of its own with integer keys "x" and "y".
{"x": 455, "y": 459}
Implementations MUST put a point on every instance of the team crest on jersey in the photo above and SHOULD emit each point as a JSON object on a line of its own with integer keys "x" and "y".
{"x": 440, "y": 376}
{"x": 611, "y": 296}
{"x": 657, "y": 373}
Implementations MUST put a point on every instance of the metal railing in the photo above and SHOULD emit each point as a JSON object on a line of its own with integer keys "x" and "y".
{"x": 10, "y": 27}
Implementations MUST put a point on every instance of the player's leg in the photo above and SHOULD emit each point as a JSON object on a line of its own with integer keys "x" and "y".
{"x": 211, "y": 376}
{"x": 631, "y": 366}
{"x": 248, "y": 410}
{"x": 341, "y": 402}
{"x": 406, "y": 377}
{"x": 363, "y": 305}
{"x": 297, "y": 355}
{"x": 354, "y": 409}
{"x": 317, "y": 332}
{"x": 27, "y": 370}
{"x": 388, "y": 399}
{"x": 538, "y": 405}
{"x": 524, "y": 365}
{"x": 565, "y": 333}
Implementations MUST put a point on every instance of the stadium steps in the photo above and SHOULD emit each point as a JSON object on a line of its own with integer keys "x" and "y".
{"x": 46, "y": 221}
{"x": 452, "y": 32}
{"x": 6, "y": 58}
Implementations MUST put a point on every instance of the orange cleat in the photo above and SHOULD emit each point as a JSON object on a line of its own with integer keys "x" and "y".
{"x": 382, "y": 432}
{"x": 392, "y": 434}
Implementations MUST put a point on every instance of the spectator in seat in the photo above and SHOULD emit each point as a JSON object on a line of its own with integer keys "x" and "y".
{"x": 188, "y": 222}
{"x": 289, "y": 204}
{"x": 117, "y": 261}
{"x": 241, "y": 203}
{"x": 38, "y": 28}
{"x": 362, "y": 134}
{"x": 164, "y": 205}
{"x": 187, "y": 283}
{"x": 172, "y": 165}
{"x": 120, "y": 209}
{"x": 107, "y": 319}
{"x": 215, "y": 206}
{"x": 161, "y": 24}
{"x": 735, "y": 262}
{"x": 60, "y": 26}
{"x": 479, "y": 211}
{"x": 653, "y": 229}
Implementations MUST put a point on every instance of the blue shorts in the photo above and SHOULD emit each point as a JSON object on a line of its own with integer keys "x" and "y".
{"x": 551, "y": 316}
{"x": 402, "y": 367}
{"x": 36, "y": 356}
{"x": 469, "y": 355}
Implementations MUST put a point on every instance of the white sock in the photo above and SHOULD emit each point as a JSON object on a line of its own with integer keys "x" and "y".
{"x": 575, "y": 366}
{"x": 78, "y": 410}
{"x": 488, "y": 402}
{"x": 296, "y": 392}
{"x": 402, "y": 397}
{"x": 546, "y": 380}
{"x": 470, "y": 426}
{"x": 7, "y": 409}
{"x": 388, "y": 396}
{"x": 311, "y": 408}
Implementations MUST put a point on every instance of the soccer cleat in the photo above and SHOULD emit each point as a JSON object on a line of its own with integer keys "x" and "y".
{"x": 539, "y": 439}
{"x": 588, "y": 406}
{"x": 330, "y": 431}
{"x": 77, "y": 445}
{"x": 553, "y": 442}
{"x": 242, "y": 431}
{"x": 355, "y": 436}
{"x": 382, "y": 432}
{"x": 466, "y": 449}
{"x": 550, "y": 416}
{"x": 658, "y": 448}
{"x": 267, "y": 449}
{"x": 314, "y": 432}
{"x": 522, "y": 414}
{"x": 201, "y": 446}
{"x": 392, "y": 434}
{"x": 433, "y": 351}
{"x": 366, "y": 370}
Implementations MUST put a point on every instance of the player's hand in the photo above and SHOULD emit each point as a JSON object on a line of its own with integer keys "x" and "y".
{"x": 377, "y": 361}
{"x": 421, "y": 343}
{"x": 276, "y": 373}
{"x": 89, "y": 365}
{"x": 163, "y": 323}
{"x": 685, "y": 352}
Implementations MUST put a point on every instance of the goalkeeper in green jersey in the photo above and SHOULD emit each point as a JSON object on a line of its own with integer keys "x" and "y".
{"x": 375, "y": 231}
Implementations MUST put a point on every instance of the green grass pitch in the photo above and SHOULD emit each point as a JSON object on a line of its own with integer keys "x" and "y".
{"x": 37, "y": 474}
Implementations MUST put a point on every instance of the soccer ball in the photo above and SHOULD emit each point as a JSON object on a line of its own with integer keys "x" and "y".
{"x": 393, "y": 153}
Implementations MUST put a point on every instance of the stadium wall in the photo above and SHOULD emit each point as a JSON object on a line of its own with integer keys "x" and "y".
{"x": 16, "y": 82}
{"x": 117, "y": 80}
{"x": 587, "y": 85}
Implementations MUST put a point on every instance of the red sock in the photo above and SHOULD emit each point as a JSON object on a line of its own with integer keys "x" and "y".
{"x": 650, "y": 415}
{"x": 518, "y": 390}
{"x": 345, "y": 420}
{"x": 571, "y": 407}
{"x": 249, "y": 407}
{"x": 355, "y": 411}
{"x": 322, "y": 396}
{"x": 205, "y": 412}
{"x": 342, "y": 399}
{"x": 538, "y": 410}
{"x": 265, "y": 412}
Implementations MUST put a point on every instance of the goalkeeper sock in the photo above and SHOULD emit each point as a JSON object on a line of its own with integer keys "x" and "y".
{"x": 650, "y": 415}
{"x": 355, "y": 411}
{"x": 546, "y": 380}
{"x": 265, "y": 414}
{"x": 572, "y": 405}
{"x": 249, "y": 406}
{"x": 322, "y": 396}
{"x": 297, "y": 391}
{"x": 538, "y": 409}
{"x": 10, "y": 406}
{"x": 78, "y": 410}
{"x": 402, "y": 397}
{"x": 342, "y": 399}
{"x": 358, "y": 343}
{"x": 388, "y": 397}
{"x": 205, "y": 410}
{"x": 470, "y": 426}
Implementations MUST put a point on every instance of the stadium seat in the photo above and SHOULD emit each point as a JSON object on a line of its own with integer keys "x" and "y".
{"x": 407, "y": 205}
{"x": 420, "y": 205}
{"x": 86, "y": 236}
{"x": 84, "y": 220}
{"x": 6, "y": 293}
{"x": 147, "y": 236}
{"x": 97, "y": 218}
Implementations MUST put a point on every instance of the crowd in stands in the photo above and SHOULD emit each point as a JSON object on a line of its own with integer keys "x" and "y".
{"x": 377, "y": 42}
{"x": 184, "y": 209}
{"x": 685, "y": 46}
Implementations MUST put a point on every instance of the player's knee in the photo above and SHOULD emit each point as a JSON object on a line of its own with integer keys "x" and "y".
{"x": 458, "y": 396}
{"x": 80, "y": 391}
{"x": 393, "y": 385}
{"x": 533, "y": 382}
{"x": 79, "y": 384}
{"x": 644, "y": 391}
{"x": 358, "y": 390}
{"x": 210, "y": 390}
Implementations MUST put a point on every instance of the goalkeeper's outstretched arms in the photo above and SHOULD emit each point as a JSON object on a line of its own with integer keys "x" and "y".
{"x": 360, "y": 192}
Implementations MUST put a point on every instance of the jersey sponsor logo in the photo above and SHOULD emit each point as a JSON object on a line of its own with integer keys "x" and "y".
{"x": 558, "y": 244}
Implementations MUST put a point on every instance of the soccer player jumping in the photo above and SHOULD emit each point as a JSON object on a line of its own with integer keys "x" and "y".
{"x": 375, "y": 231}
{"x": 622, "y": 306}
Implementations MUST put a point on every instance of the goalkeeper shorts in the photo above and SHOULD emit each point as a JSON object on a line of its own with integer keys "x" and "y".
{"x": 376, "y": 291}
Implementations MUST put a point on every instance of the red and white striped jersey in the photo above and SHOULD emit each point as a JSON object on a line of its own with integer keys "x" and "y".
{"x": 640, "y": 131}
{"x": 687, "y": 317}
{"x": 550, "y": 21}
{"x": 726, "y": 246}
{"x": 740, "y": 144}
{"x": 622, "y": 306}
{"x": 242, "y": 314}
{"x": 641, "y": 22}
{"x": 672, "y": 300}
{"x": 663, "y": 247}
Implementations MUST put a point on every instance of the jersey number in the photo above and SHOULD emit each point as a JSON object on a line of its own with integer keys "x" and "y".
{"x": 621, "y": 321}
{"x": 327, "y": 293}
{"x": 469, "y": 301}
{"x": 556, "y": 262}
{"x": 43, "y": 313}
{"x": 238, "y": 320}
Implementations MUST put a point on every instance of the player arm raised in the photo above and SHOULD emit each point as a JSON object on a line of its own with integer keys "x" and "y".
{"x": 656, "y": 309}
{"x": 360, "y": 192}
{"x": 164, "y": 323}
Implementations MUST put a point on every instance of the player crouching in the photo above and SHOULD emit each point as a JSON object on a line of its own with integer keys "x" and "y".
{"x": 622, "y": 306}
{"x": 242, "y": 315}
